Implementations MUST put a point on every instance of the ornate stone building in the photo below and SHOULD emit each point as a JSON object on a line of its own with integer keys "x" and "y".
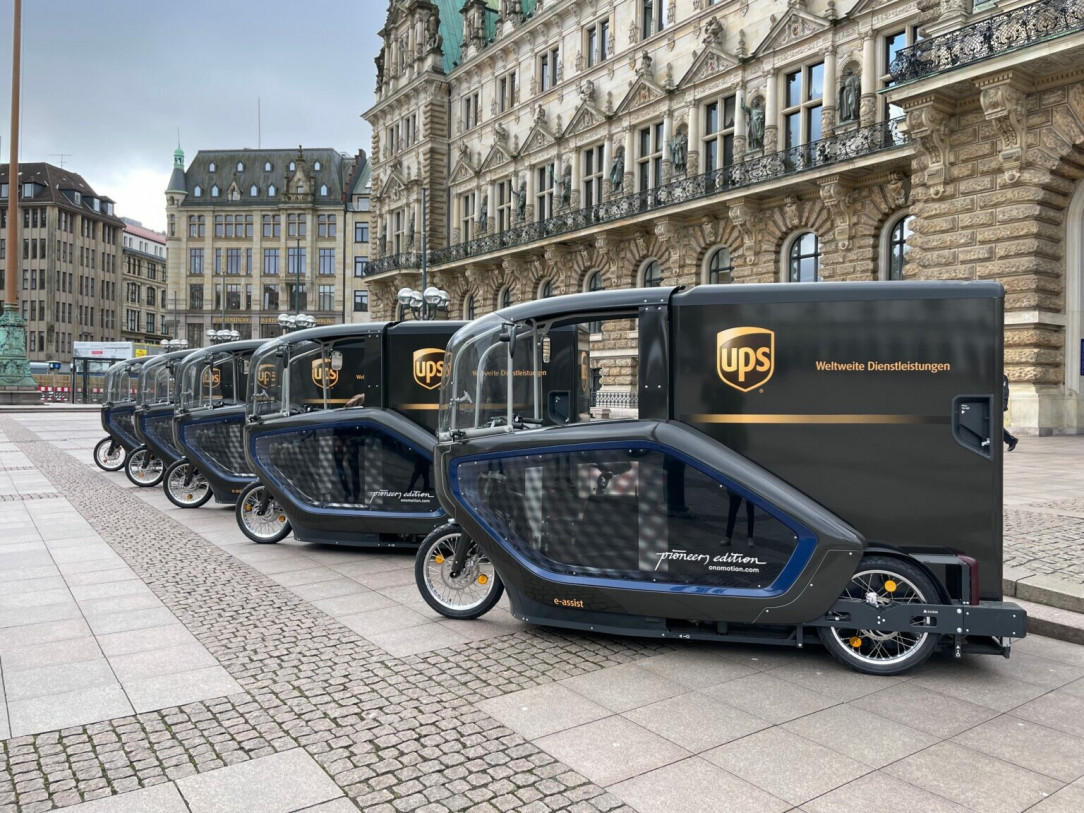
{"x": 568, "y": 145}
{"x": 252, "y": 234}
{"x": 147, "y": 315}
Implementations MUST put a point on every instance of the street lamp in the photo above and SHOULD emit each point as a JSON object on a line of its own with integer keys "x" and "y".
{"x": 424, "y": 305}
{"x": 220, "y": 336}
{"x": 299, "y": 321}
{"x": 170, "y": 345}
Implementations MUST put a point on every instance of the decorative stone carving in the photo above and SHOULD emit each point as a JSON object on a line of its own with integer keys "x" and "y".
{"x": 929, "y": 125}
{"x": 842, "y": 204}
{"x": 754, "y": 123}
{"x": 744, "y": 217}
{"x": 850, "y": 95}
{"x": 791, "y": 212}
{"x": 714, "y": 33}
{"x": 1004, "y": 105}
{"x": 897, "y": 189}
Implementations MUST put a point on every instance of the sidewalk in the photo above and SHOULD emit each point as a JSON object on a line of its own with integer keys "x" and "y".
{"x": 232, "y": 676}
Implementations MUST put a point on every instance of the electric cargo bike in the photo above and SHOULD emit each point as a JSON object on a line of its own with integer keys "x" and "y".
{"x": 340, "y": 432}
{"x": 761, "y": 463}
{"x": 118, "y": 415}
{"x": 209, "y": 426}
{"x": 156, "y": 398}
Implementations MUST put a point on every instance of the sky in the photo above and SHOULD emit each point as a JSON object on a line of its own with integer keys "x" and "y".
{"x": 109, "y": 82}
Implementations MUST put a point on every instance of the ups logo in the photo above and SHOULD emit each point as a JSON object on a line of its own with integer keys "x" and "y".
{"x": 745, "y": 357}
{"x": 212, "y": 377}
{"x": 428, "y": 367}
{"x": 265, "y": 375}
{"x": 322, "y": 373}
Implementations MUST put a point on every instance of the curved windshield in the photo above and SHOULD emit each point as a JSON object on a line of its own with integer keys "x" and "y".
{"x": 121, "y": 381}
{"x": 265, "y": 381}
{"x": 212, "y": 380}
{"x": 156, "y": 384}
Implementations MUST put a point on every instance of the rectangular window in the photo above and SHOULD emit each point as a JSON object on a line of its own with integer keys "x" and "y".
{"x": 327, "y": 261}
{"x": 297, "y": 296}
{"x": 233, "y": 297}
{"x": 654, "y": 17}
{"x": 271, "y": 262}
{"x": 296, "y": 259}
{"x": 195, "y": 261}
{"x": 361, "y": 266}
{"x": 506, "y": 92}
{"x": 597, "y": 42}
{"x": 361, "y": 301}
{"x": 325, "y": 297}
{"x": 195, "y": 297}
{"x": 891, "y": 45}
{"x": 466, "y": 216}
{"x": 326, "y": 226}
{"x": 544, "y": 197}
{"x": 593, "y": 173}
{"x": 233, "y": 260}
{"x": 504, "y": 205}
{"x": 804, "y": 95}
{"x": 719, "y": 133}
{"x": 361, "y": 232}
{"x": 270, "y": 297}
{"x": 549, "y": 69}
{"x": 470, "y": 111}
{"x": 296, "y": 225}
{"x": 649, "y": 158}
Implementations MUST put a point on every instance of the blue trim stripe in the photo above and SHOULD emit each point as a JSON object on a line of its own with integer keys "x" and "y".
{"x": 803, "y": 550}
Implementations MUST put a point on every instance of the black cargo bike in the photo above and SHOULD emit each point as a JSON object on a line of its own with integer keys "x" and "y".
{"x": 156, "y": 400}
{"x": 118, "y": 415}
{"x": 799, "y": 463}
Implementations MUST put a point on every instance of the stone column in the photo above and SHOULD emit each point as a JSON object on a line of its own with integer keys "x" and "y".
{"x": 531, "y": 192}
{"x": 667, "y": 135}
{"x": 607, "y": 159}
{"x": 831, "y": 93}
{"x": 577, "y": 177}
{"x": 771, "y": 113}
{"x": 869, "y": 81}
{"x": 693, "y": 162}
{"x": 741, "y": 131}
{"x": 630, "y": 143}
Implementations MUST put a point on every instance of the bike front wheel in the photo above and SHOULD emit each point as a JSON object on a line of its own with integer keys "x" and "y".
{"x": 185, "y": 486}
{"x": 260, "y": 516}
{"x": 144, "y": 468}
{"x": 472, "y": 592}
{"x": 109, "y": 455}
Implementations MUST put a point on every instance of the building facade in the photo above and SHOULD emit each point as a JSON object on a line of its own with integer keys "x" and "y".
{"x": 146, "y": 314}
{"x": 252, "y": 234}
{"x": 569, "y": 145}
{"x": 70, "y": 259}
{"x": 359, "y": 237}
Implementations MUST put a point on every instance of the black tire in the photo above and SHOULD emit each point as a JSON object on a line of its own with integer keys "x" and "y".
{"x": 432, "y": 572}
{"x": 144, "y": 468}
{"x": 265, "y": 527}
{"x": 185, "y": 486}
{"x": 874, "y": 652}
{"x": 106, "y": 461}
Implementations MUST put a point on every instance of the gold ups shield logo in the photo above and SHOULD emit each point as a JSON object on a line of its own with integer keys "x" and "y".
{"x": 322, "y": 373}
{"x": 428, "y": 367}
{"x": 745, "y": 357}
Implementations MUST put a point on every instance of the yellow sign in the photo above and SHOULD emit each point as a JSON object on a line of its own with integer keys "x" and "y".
{"x": 141, "y": 352}
{"x": 322, "y": 373}
{"x": 428, "y": 367}
{"x": 745, "y": 357}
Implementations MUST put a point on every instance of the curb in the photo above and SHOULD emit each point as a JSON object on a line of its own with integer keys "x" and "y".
{"x": 1053, "y": 623}
{"x": 1055, "y": 607}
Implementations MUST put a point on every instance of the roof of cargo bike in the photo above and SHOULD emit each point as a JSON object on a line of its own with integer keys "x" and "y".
{"x": 328, "y": 332}
{"x": 243, "y": 346}
{"x": 165, "y": 358}
{"x": 629, "y": 299}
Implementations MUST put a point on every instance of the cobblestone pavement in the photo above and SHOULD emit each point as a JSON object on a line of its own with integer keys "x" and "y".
{"x": 335, "y": 688}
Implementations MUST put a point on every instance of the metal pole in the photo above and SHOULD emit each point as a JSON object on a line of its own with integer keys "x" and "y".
{"x": 425, "y": 257}
{"x": 297, "y": 288}
{"x": 11, "y": 298}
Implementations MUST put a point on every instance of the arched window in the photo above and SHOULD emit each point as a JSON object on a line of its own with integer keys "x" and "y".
{"x": 545, "y": 290}
{"x": 469, "y": 308}
{"x": 293, "y": 166}
{"x": 271, "y": 191}
{"x": 504, "y": 299}
{"x": 254, "y": 191}
{"x": 267, "y": 166}
{"x": 198, "y": 191}
{"x": 214, "y": 191}
{"x": 804, "y": 258}
{"x": 896, "y": 254}
{"x": 323, "y": 191}
{"x": 211, "y": 167}
{"x": 240, "y": 166}
{"x": 720, "y": 268}
{"x": 652, "y": 274}
{"x": 316, "y": 166}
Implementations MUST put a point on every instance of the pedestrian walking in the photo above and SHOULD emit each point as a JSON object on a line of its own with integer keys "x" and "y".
{"x": 1010, "y": 439}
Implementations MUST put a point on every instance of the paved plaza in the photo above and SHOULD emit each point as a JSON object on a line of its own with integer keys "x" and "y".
{"x": 152, "y": 659}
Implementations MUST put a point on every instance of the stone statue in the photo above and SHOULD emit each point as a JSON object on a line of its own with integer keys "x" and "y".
{"x": 850, "y": 97}
{"x": 379, "y": 60}
{"x": 521, "y": 201}
{"x": 512, "y": 10}
{"x": 679, "y": 150}
{"x": 384, "y": 240}
{"x": 617, "y": 169}
{"x": 644, "y": 68}
{"x": 714, "y": 32}
{"x": 433, "y": 40}
{"x": 410, "y": 230}
{"x": 755, "y": 116}
{"x": 483, "y": 214}
{"x": 564, "y": 185}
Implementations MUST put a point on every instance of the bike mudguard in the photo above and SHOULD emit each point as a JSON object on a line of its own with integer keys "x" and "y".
{"x": 156, "y": 429}
{"x": 119, "y": 424}
{"x": 343, "y": 476}
{"x": 645, "y": 518}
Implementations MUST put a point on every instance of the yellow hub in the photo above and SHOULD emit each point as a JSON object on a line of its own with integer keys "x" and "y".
{"x": 483, "y": 579}
{"x": 438, "y": 559}
{"x": 890, "y": 586}
{"x": 856, "y": 642}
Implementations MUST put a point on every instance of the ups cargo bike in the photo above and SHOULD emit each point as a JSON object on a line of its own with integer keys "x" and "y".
{"x": 156, "y": 400}
{"x": 799, "y": 463}
{"x": 118, "y": 415}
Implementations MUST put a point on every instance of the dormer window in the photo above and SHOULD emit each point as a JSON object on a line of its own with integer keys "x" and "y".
{"x": 271, "y": 191}
{"x": 234, "y": 193}
{"x": 95, "y": 204}
{"x": 267, "y": 166}
{"x": 214, "y": 191}
{"x": 323, "y": 191}
{"x": 254, "y": 191}
{"x": 198, "y": 191}
{"x": 316, "y": 166}
{"x": 211, "y": 167}
{"x": 300, "y": 188}
{"x": 240, "y": 166}
{"x": 293, "y": 166}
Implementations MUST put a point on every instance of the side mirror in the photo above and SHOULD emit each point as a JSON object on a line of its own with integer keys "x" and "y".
{"x": 508, "y": 334}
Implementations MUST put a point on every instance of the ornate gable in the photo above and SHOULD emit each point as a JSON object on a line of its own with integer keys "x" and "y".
{"x": 585, "y": 117}
{"x": 539, "y": 137}
{"x": 712, "y": 62}
{"x": 393, "y": 187}
{"x": 795, "y": 24}
{"x": 498, "y": 157}
{"x": 643, "y": 92}
{"x": 464, "y": 170}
